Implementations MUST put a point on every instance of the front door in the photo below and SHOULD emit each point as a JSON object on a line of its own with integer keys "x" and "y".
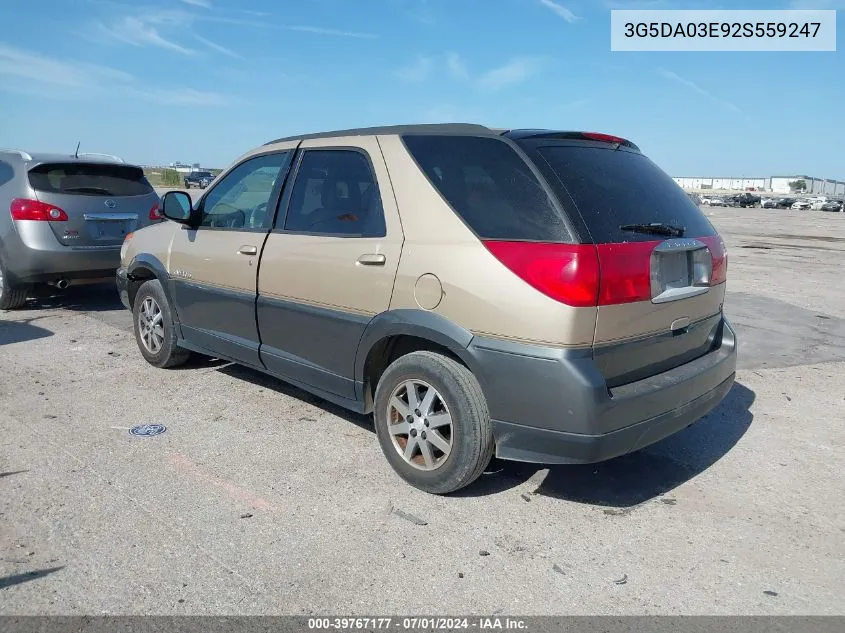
{"x": 329, "y": 264}
{"x": 215, "y": 265}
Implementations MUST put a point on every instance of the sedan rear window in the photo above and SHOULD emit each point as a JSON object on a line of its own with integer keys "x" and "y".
{"x": 89, "y": 179}
{"x": 616, "y": 188}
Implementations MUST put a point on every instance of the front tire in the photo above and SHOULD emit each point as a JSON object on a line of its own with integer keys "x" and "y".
{"x": 12, "y": 296}
{"x": 155, "y": 332}
{"x": 432, "y": 422}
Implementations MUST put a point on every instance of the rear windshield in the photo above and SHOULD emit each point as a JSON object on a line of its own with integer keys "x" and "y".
{"x": 489, "y": 186}
{"x": 613, "y": 188}
{"x": 89, "y": 179}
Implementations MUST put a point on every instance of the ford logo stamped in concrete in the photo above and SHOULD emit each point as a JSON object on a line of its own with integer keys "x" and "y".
{"x": 147, "y": 430}
{"x": 111, "y": 204}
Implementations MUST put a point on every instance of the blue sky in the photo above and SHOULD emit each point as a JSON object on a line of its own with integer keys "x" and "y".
{"x": 205, "y": 80}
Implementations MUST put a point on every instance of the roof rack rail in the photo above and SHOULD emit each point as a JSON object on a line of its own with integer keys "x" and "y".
{"x": 19, "y": 152}
{"x": 116, "y": 159}
{"x": 423, "y": 128}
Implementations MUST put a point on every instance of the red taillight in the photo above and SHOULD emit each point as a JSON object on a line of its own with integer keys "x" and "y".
{"x": 155, "y": 212}
{"x": 720, "y": 259}
{"x": 23, "y": 209}
{"x": 583, "y": 275}
{"x": 568, "y": 273}
{"x": 625, "y": 272}
{"x": 606, "y": 138}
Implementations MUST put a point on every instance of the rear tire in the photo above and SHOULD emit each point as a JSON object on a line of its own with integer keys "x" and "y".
{"x": 12, "y": 296}
{"x": 443, "y": 457}
{"x": 154, "y": 329}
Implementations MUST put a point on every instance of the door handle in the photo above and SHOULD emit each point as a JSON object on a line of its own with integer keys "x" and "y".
{"x": 248, "y": 250}
{"x": 372, "y": 259}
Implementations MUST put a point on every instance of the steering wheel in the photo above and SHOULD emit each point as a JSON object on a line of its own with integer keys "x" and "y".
{"x": 255, "y": 214}
{"x": 231, "y": 219}
{"x": 343, "y": 217}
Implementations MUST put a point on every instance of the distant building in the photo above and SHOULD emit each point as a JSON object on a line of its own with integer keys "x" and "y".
{"x": 774, "y": 184}
{"x": 184, "y": 168}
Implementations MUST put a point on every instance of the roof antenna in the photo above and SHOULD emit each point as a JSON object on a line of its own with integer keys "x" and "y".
{"x": 76, "y": 153}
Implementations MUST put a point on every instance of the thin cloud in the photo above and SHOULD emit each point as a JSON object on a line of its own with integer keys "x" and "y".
{"x": 514, "y": 72}
{"x": 217, "y": 47}
{"x": 187, "y": 97}
{"x": 561, "y": 10}
{"x": 204, "y": 4}
{"x": 37, "y": 68}
{"x": 323, "y": 31}
{"x": 668, "y": 74}
{"x": 28, "y": 72}
{"x": 456, "y": 66}
{"x": 137, "y": 32}
{"x": 418, "y": 71}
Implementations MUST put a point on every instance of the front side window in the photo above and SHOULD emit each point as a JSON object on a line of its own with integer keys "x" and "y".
{"x": 335, "y": 193}
{"x": 241, "y": 199}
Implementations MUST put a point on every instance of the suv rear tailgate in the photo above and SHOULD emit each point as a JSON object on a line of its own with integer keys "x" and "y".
{"x": 103, "y": 201}
{"x": 626, "y": 204}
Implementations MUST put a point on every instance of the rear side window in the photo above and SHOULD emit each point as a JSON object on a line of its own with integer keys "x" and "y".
{"x": 489, "y": 186}
{"x": 336, "y": 193}
{"x": 89, "y": 179}
{"x": 6, "y": 173}
{"x": 614, "y": 188}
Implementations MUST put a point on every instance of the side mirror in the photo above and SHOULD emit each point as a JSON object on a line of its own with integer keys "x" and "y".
{"x": 177, "y": 206}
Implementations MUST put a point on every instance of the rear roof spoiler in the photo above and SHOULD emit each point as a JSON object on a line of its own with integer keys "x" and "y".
{"x": 19, "y": 152}
{"x": 108, "y": 157}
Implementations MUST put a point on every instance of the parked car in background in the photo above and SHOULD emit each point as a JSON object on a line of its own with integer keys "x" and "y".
{"x": 817, "y": 203}
{"x": 800, "y": 205}
{"x": 769, "y": 203}
{"x": 695, "y": 198}
{"x": 713, "y": 201}
{"x": 747, "y": 200}
{"x": 332, "y": 269}
{"x": 199, "y": 178}
{"x": 833, "y": 205}
{"x": 66, "y": 218}
{"x": 786, "y": 203}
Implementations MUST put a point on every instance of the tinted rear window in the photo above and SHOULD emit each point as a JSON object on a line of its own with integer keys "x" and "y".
{"x": 613, "y": 188}
{"x": 489, "y": 186}
{"x": 89, "y": 179}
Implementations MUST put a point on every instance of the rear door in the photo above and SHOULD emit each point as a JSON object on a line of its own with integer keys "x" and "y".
{"x": 329, "y": 264}
{"x": 103, "y": 201}
{"x": 214, "y": 266}
{"x": 667, "y": 290}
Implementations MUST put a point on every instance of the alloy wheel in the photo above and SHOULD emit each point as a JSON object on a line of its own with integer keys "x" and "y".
{"x": 420, "y": 424}
{"x": 150, "y": 325}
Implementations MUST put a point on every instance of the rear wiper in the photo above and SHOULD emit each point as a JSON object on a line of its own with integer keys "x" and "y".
{"x": 89, "y": 189}
{"x": 656, "y": 228}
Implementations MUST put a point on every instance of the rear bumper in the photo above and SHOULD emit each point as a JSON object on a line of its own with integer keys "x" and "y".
{"x": 553, "y": 406}
{"x": 529, "y": 444}
{"x": 39, "y": 257}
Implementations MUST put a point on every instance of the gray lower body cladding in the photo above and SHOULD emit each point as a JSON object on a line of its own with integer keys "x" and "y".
{"x": 554, "y": 405}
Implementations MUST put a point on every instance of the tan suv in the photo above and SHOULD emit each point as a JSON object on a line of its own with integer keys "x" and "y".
{"x": 544, "y": 296}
